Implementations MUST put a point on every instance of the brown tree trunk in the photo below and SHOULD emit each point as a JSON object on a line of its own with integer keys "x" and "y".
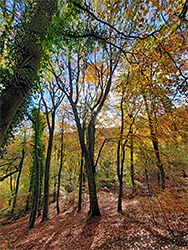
{"x": 94, "y": 208}
{"x": 18, "y": 180}
{"x": 45, "y": 215}
{"x": 120, "y": 177}
{"x": 60, "y": 166}
{"x": 132, "y": 161}
{"x": 89, "y": 164}
{"x": 80, "y": 185}
{"x": 27, "y": 61}
{"x": 158, "y": 160}
{"x": 120, "y": 160}
{"x": 35, "y": 187}
{"x": 155, "y": 143}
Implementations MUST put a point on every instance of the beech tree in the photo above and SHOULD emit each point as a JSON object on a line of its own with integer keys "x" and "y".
{"x": 60, "y": 163}
{"x": 86, "y": 89}
{"x": 37, "y": 169}
{"x": 56, "y": 97}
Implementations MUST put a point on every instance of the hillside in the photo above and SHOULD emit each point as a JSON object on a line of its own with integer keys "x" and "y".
{"x": 134, "y": 229}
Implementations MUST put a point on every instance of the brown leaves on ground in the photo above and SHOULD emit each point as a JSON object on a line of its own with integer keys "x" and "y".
{"x": 133, "y": 229}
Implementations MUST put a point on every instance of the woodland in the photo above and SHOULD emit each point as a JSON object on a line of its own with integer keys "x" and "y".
{"x": 93, "y": 124}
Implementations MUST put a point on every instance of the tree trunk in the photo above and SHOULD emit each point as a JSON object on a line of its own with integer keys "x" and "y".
{"x": 158, "y": 160}
{"x": 18, "y": 180}
{"x": 120, "y": 194}
{"x": 35, "y": 195}
{"x": 11, "y": 189}
{"x": 120, "y": 177}
{"x": 45, "y": 215}
{"x": 28, "y": 46}
{"x": 132, "y": 162}
{"x": 91, "y": 141}
{"x": 35, "y": 187}
{"x": 54, "y": 193}
{"x": 61, "y": 165}
{"x": 155, "y": 143}
{"x": 80, "y": 185}
{"x": 94, "y": 208}
{"x": 120, "y": 160}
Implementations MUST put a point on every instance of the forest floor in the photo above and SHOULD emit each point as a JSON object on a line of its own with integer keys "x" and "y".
{"x": 133, "y": 229}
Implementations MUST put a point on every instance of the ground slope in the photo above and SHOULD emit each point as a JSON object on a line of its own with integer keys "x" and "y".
{"x": 70, "y": 229}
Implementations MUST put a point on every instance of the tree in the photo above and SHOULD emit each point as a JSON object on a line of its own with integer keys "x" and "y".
{"x": 56, "y": 98}
{"x": 38, "y": 164}
{"x": 26, "y": 57}
{"x": 86, "y": 89}
{"x": 19, "y": 173}
{"x": 80, "y": 184}
{"x": 122, "y": 143}
{"x": 60, "y": 163}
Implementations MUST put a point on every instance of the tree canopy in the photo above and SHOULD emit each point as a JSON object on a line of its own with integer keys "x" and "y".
{"x": 94, "y": 94}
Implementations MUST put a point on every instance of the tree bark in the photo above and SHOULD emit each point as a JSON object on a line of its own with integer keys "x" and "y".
{"x": 80, "y": 185}
{"x": 94, "y": 208}
{"x": 18, "y": 179}
{"x": 155, "y": 143}
{"x": 45, "y": 215}
{"x": 132, "y": 160}
{"x": 61, "y": 165}
{"x": 35, "y": 185}
{"x": 28, "y": 45}
{"x": 120, "y": 177}
{"x": 120, "y": 161}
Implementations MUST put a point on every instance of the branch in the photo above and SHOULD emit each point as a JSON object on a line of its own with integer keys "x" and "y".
{"x": 184, "y": 11}
{"x": 7, "y": 175}
{"x": 105, "y": 140}
{"x": 86, "y": 9}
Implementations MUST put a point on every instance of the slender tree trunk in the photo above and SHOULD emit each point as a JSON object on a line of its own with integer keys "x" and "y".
{"x": 120, "y": 160}
{"x": 18, "y": 180}
{"x": 11, "y": 189}
{"x": 41, "y": 174}
{"x": 120, "y": 177}
{"x": 159, "y": 163}
{"x": 155, "y": 143}
{"x": 80, "y": 185}
{"x": 45, "y": 215}
{"x": 35, "y": 187}
{"x": 94, "y": 208}
{"x": 54, "y": 193}
{"x": 91, "y": 142}
{"x": 35, "y": 195}
{"x": 60, "y": 166}
{"x": 27, "y": 61}
{"x": 132, "y": 162}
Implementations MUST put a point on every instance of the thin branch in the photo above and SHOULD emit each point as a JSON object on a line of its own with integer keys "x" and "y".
{"x": 105, "y": 140}
{"x": 9, "y": 174}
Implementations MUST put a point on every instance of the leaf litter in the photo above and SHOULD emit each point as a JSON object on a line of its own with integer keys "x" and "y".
{"x": 132, "y": 229}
